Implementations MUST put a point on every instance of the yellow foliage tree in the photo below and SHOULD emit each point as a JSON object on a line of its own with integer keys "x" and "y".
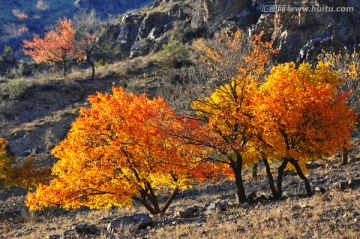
{"x": 228, "y": 113}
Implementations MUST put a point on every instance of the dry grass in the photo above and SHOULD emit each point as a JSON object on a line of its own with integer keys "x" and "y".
{"x": 297, "y": 218}
{"x": 334, "y": 214}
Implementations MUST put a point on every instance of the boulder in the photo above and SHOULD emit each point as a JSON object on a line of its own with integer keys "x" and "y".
{"x": 135, "y": 222}
{"x": 54, "y": 237}
{"x": 297, "y": 33}
{"x": 217, "y": 207}
{"x": 188, "y": 212}
{"x": 155, "y": 20}
{"x": 354, "y": 183}
{"x": 86, "y": 229}
{"x": 141, "y": 48}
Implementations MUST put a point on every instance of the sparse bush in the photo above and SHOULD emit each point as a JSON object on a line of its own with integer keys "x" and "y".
{"x": 175, "y": 54}
{"x": 17, "y": 89}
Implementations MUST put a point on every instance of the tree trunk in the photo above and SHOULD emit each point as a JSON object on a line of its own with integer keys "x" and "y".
{"x": 170, "y": 199}
{"x": 143, "y": 201}
{"x": 271, "y": 179}
{"x": 345, "y": 157}
{"x": 280, "y": 178}
{"x": 254, "y": 171}
{"x": 64, "y": 69}
{"x": 240, "y": 189}
{"x": 302, "y": 176}
{"x": 92, "y": 68}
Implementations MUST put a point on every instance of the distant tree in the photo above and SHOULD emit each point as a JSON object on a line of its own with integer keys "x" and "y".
{"x": 116, "y": 152}
{"x": 58, "y": 46}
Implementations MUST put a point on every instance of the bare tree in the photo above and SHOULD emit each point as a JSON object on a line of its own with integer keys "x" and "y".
{"x": 87, "y": 26}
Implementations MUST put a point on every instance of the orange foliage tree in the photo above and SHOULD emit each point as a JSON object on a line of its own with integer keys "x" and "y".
{"x": 26, "y": 175}
{"x": 301, "y": 117}
{"x": 117, "y": 152}
{"x": 58, "y": 46}
{"x": 228, "y": 113}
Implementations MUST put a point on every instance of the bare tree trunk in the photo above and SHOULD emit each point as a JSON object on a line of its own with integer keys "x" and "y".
{"x": 254, "y": 171}
{"x": 280, "y": 178}
{"x": 64, "y": 68}
{"x": 345, "y": 156}
{"x": 271, "y": 179}
{"x": 92, "y": 68}
{"x": 302, "y": 176}
{"x": 240, "y": 189}
{"x": 170, "y": 199}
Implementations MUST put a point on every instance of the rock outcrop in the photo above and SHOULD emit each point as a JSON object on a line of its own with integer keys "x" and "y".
{"x": 327, "y": 25}
{"x": 219, "y": 8}
{"x": 139, "y": 33}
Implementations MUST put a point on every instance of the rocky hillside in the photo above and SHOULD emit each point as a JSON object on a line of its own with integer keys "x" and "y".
{"x": 300, "y": 34}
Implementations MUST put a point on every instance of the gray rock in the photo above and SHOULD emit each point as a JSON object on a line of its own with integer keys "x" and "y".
{"x": 54, "y": 237}
{"x": 216, "y": 8}
{"x": 69, "y": 232}
{"x": 246, "y": 205}
{"x": 216, "y": 207}
{"x": 342, "y": 185}
{"x": 136, "y": 221}
{"x": 296, "y": 208}
{"x": 354, "y": 183}
{"x": 154, "y": 20}
{"x": 86, "y": 229}
{"x": 141, "y": 48}
{"x": 188, "y": 212}
{"x": 251, "y": 196}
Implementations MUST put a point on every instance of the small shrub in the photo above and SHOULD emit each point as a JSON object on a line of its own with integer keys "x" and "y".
{"x": 175, "y": 54}
{"x": 17, "y": 89}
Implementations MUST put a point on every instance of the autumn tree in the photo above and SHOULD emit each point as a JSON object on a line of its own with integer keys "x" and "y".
{"x": 347, "y": 67}
{"x": 117, "y": 152}
{"x": 26, "y": 175}
{"x": 57, "y": 47}
{"x": 228, "y": 113}
{"x": 301, "y": 117}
